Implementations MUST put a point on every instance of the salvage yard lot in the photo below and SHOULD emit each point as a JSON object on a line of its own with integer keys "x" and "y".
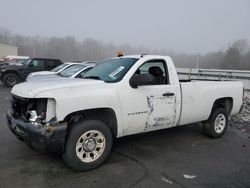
{"x": 156, "y": 159}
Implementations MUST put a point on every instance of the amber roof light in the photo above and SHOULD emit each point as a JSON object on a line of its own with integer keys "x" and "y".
{"x": 119, "y": 54}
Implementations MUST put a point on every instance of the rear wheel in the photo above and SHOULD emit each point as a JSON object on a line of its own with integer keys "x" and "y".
{"x": 88, "y": 145}
{"x": 216, "y": 125}
{"x": 10, "y": 79}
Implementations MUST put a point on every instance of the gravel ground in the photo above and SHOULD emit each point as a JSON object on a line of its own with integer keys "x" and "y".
{"x": 240, "y": 123}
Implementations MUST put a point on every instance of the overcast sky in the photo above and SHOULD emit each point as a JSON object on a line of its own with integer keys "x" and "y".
{"x": 192, "y": 26}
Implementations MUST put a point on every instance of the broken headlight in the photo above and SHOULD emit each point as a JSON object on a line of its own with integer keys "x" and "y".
{"x": 36, "y": 110}
{"x": 39, "y": 110}
{"x": 34, "y": 117}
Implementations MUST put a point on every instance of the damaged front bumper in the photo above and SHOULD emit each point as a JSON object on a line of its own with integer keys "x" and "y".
{"x": 50, "y": 137}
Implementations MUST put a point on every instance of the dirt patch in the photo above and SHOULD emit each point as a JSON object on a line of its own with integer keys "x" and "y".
{"x": 241, "y": 122}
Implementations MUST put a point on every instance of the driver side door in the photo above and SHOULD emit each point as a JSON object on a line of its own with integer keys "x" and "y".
{"x": 150, "y": 107}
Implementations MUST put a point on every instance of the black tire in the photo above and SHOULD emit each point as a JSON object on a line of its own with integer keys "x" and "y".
{"x": 10, "y": 79}
{"x": 78, "y": 130}
{"x": 210, "y": 127}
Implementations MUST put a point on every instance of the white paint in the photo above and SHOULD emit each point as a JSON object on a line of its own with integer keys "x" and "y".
{"x": 51, "y": 109}
{"x": 199, "y": 97}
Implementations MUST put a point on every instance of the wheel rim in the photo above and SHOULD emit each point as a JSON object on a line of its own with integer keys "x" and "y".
{"x": 11, "y": 80}
{"x": 90, "y": 146}
{"x": 220, "y": 123}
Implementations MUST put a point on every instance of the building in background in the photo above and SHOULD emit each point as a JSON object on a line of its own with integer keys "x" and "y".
{"x": 6, "y": 50}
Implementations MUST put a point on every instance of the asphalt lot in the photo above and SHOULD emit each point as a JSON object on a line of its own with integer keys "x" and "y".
{"x": 156, "y": 159}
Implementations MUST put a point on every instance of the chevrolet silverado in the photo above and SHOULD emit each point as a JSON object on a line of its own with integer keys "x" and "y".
{"x": 121, "y": 96}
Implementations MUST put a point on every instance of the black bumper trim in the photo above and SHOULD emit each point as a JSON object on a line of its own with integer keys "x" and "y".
{"x": 50, "y": 139}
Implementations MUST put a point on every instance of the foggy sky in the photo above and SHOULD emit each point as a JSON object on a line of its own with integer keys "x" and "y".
{"x": 192, "y": 26}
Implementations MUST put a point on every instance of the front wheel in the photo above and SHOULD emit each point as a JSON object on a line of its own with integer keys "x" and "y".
{"x": 88, "y": 145}
{"x": 10, "y": 79}
{"x": 216, "y": 125}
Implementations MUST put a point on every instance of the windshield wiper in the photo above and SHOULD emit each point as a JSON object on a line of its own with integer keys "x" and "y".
{"x": 93, "y": 77}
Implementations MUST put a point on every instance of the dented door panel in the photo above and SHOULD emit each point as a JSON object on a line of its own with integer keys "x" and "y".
{"x": 148, "y": 109}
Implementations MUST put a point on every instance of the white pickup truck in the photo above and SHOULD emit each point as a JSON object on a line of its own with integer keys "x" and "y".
{"x": 121, "y": 96}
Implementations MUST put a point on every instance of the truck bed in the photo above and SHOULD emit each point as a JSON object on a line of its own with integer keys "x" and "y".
{"x": 198, "y": 97}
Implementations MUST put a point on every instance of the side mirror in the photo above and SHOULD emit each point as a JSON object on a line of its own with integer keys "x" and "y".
{"x": 141, "y": 80}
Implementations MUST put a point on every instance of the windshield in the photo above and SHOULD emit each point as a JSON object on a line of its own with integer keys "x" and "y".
{"x": 70, "y": 71}
{"x": 58, "y": 68}
{"x": 25, "y": 61}
{"x": 111, "y": 70}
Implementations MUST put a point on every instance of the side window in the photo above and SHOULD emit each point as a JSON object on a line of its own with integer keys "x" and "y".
{"x": 157, "y": 69}
{"x": 37, "y": 64}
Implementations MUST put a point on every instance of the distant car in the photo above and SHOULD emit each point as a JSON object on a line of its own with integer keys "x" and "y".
{"x": 75, "y": 70}
{"x": 12, "y": 74}
{"x": 56, "y": 70}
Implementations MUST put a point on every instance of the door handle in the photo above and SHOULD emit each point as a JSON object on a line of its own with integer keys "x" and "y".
{"x": 168, "y": 94}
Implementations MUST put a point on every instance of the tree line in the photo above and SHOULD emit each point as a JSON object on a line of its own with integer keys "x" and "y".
{"x": 235, "y": 56}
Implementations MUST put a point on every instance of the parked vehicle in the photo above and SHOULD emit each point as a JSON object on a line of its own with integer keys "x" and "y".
{"x": 12, "y": 74}
{"x": 72, "y": 71}
{"x": 121, "y": 96}
{"x": 57, "y": 69}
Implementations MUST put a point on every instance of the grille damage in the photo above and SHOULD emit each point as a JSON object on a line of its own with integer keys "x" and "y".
{"x": 21, "y": 107}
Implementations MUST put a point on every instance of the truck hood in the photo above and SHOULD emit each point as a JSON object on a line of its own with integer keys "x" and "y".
{"x": 32, "y": 89}
{"x": 43, "y": 77}
{"x": 12, "y": 66}
{"x": 41, "y": 73}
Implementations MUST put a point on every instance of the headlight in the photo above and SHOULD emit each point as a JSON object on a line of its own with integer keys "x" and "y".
{"x": 51, "y": 109}
{"x": 33, "y": 115}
